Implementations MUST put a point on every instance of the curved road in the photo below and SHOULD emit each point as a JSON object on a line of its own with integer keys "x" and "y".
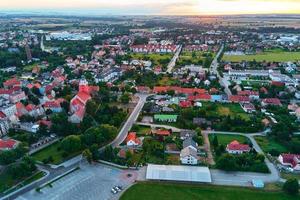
{"x": 238, "y": 178}
{"x": 74, "y": 162}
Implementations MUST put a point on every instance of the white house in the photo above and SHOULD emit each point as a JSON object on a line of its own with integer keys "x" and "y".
{"x": 188, "y": 156}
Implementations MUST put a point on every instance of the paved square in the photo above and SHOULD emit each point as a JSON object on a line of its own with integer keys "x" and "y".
{"x": 90, "y": 182}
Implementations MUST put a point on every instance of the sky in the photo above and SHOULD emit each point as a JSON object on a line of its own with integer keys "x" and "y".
{"x": 158, "y": 7}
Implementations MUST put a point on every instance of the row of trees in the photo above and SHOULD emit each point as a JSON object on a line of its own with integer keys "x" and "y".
{"x": 10, "y": 156}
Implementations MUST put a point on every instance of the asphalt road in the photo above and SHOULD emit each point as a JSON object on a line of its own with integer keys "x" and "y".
{"x": 214, "y": 68}
{"x": 172, "y": 63}
{"x": 130, "y": 121}
{"x": 53, "y": 173}
{"x": 273, "y": 176}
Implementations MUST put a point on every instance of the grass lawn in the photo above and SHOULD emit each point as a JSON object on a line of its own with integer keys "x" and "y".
{"x": 169, "y": 191}
{"x": 226, "y": 139}
{"x": 229, "y": 109}
{"x": 275, "y": 56}
{"x": 141, "y": 130}
{"x": 288, "y": 176}
{"x": 268, "y": 144}
{"x": 53, "y": 151}
{"x": 167, "y": 81}
{"x": 187, "y": 57}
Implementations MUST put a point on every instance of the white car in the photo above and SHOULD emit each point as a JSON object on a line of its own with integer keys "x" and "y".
{"x": 113, "y": 191}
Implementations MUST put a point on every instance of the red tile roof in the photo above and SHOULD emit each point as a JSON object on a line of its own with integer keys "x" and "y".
{"x": 2, "y": 115}
{"x": 199, "y": 97}
{"x": 236, "y": 146}
{"x": 185, "y": 104}
{"x": 290, "y": 158}
{"x": 11, "y": 82}
{"x": 239, "y": 99}
{"x": 132, "y": 137}
{"x": 52, "y": 104}
{"x": 248, "y": 93}
{"x": 162, "y": 132}
{"x": 188, "y": 91}
{"x": 272, "y": 101}
{"x": 7, "y": 144}
{"x": 84, "y": 97}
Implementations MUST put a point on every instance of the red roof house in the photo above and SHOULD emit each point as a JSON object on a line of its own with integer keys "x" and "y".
{"x": 271, "y": 101}
{"x": 291, "y": 160}
{"x": 132, "y": 140}
{"x": 8, "y": 144}
{"x": 236, "y": 148}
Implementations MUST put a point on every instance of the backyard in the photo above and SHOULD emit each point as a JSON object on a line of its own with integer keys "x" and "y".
{"x": 165, "y": 191}
{"x": 226, "y": 139}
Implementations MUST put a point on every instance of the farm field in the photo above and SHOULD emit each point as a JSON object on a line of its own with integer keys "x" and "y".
{"x": 275, "y": 56}
{"x": 168, "y": 191}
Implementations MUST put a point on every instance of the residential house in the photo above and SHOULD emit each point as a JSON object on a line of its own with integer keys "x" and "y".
{"x": 188, "y": 156}
{"x": 236, "y": 148}
{"x": 184, "y": 134}
{"x": 189, "y": 142}
{"x": 161, "y": 132}
{"x": 132, "y": 140}
{"x": 248, "y": 107}
{"x": 271, "y": 101}
{"x": 8, "y": 144}
{"x": 54, "y": 106}
{"x": 290, "y": 160}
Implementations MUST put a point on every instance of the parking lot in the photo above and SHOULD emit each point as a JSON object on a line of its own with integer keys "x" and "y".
{"x": 89, "y": 183}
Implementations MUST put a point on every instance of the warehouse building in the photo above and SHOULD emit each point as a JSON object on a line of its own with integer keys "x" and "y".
{"x": 178, "y": 173}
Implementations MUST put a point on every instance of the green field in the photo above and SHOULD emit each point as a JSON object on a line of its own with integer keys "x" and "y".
{"x": 226, "y": 139}
{"x": 230, "y": 109}
{"x": 271, "y": 56}
{"x": 157, "y": 59}
{"x": 196, "y": 58}
{"x": 268, "y": 144}
{"x": 54, "y": 152}
{"x": 168, "y": 191}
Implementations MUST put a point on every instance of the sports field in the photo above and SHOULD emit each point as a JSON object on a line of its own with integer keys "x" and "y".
{"x": 271, "y": 56}
{"x": 170, "y": 191}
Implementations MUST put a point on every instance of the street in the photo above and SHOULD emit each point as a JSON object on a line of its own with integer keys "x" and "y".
{"x": 172, "y": 63}
{"x": 214, "y": 68}
{"x": 56, "y": 171}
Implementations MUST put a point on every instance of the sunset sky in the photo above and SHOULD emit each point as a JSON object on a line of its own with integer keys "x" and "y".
{"x": 165, "y": 7}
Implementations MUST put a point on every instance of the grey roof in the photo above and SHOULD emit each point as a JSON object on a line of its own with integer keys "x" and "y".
{"x": 189, "y": 142}
{"x": 188, "y": 151}
{"x": 178, "y": 173}
{"x": 187, "y": 133}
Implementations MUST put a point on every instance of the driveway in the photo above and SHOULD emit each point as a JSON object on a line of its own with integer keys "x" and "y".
{"x": 90, "y": 182}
